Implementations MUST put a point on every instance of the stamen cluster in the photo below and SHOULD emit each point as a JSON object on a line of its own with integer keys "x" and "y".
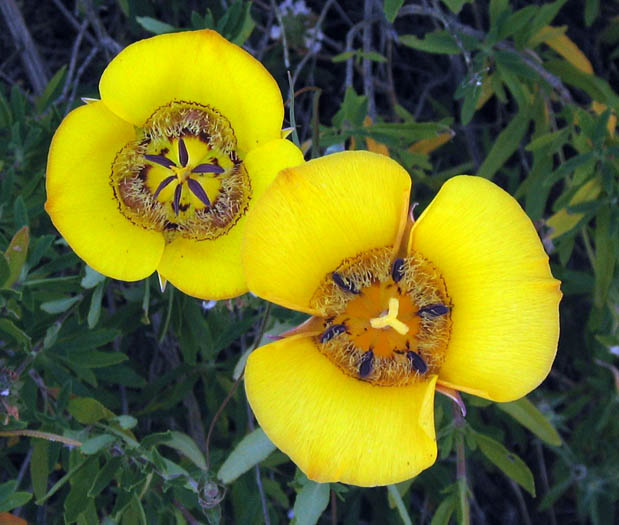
{"x": 182, "y": 175}
{"x": 386, "y": 320}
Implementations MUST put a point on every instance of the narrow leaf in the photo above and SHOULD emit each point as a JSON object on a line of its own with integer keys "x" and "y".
{"x": 311, "y": 502}
{"x": 505, "y": 145}
{"x": 437, "y": 42}
{"x": 16, "y": 254}
{"x": 529, "y": 416}
{"x": 391, "y": 8}
{"x": 508, "y": 462}
{"x": 154, "y": 26}
{"x": 88, "y": 410}
{"x": 39, "y": 467}
{"x": 95, "y": 444}
{"x": 252, "y": 449}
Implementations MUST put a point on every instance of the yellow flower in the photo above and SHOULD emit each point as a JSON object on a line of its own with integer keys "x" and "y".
{"x": 159, "y": 173}
{"x": 465, "y": 299}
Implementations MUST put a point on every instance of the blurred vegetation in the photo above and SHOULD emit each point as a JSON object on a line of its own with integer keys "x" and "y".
{"x": 118, "y": 402}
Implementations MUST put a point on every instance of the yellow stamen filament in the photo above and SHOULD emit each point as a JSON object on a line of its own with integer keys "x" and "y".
{"x": 390, "y": 319}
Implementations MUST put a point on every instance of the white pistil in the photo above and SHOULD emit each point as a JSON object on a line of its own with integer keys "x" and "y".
{"x": 390, "y": 318}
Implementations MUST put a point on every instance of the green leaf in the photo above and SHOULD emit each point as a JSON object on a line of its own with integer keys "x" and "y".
{"x": 310, "y": 503}
{"x": 505, "y": 145}
{"x": 456, "y": 6}
{"x": 391, "y": 8}
{"x": 178, "y": 441}
{"x": 592, "y": 9}
{"x": 104, "y": 476}
{"x": 16, "y": 255}
{"x": 529, "y": 416}
{"x": 553, "y": 141}
{"x": 88, "y": 358}
{"x": 342, "y": 57}
{"x": 597, "y": 88}
{"x": 77, "y": 500}
{"x": 545, "y": 15}
{"x": 95, "y": 444}
{"x": 395, "y": 497}
{"x": 5, "y": 270}
{"x": 154, "y": 26}
{"x": 605, "y": 256}
{"x": 8, "y": 327}
{"x": 17, "y": 499}
{"x": 444, "y": 511}
{"x": 39, "y": 467}
{"x": 51, "y": 90}
{"x": 497, "y": 10}
{"x": 437, "y": 42}
{"x": 252, "y": 449}
{"x": 91, "y": 278}
{"x": 471, "y": 96}
{"x": 372, "y": 55}
{"x": 88, "y": 410}
{"x": 568, "y": 167}
{"x": 126, "y": 422}
{"x": 60, "y": 305}
{"x": 20, "y": 212}
{"x": 94, "y": 312}
{"x": 134, "y": 512}
{"x": 508, "y": 462}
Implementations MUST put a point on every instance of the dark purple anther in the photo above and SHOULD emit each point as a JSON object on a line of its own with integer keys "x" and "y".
{"x": 197, "y": 189}
{"x": 177, "y": 198}
{"x": 332, "y": 331}
{"x": 367, "y": 362}
{"x": 397, "y": 270}
{"x": 163, "y": 184}
{"x": 208, "y": 168}
{"x": 417, "y": 362}
{"x": 183, "y": 156}
{"x": 161, "y": 160}
{"x": 346, "y": 285}
{"x": 433, "y": 310}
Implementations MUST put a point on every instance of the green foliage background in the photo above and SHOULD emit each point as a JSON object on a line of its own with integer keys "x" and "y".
{"x": 118, "y": 402}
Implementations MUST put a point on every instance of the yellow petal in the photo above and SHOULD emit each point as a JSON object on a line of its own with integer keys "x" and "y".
{"x": 206, "y": 269}
{"x": 196, "y": 66}
{"x": 336, "y": 427}
{"x": 505, "y": 301}
{"x": 212, "y": 269}
{"x": 266, "y": 161}
{"x": 81, "y": 202}
{"x": 316, "y": 215}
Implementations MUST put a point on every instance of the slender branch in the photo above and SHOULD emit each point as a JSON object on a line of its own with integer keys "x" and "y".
{"x": 368, "y": 86}
{"x": 526, "y": 519}
{"x": 42, "y": 435}
{"x": 544, "y": 476}
{"x": 33, "y": 65}
{"x": 461, "y": 477}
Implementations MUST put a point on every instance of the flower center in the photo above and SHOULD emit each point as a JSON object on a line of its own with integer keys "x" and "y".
{"x": 386, "y": 321}
{"x": 182, "y": 175}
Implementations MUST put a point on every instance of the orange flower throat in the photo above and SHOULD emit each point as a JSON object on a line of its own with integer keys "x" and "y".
{"x": 386, "y": 321}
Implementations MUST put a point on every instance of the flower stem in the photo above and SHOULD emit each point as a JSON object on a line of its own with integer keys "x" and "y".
{"x": 464, "y": 510}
